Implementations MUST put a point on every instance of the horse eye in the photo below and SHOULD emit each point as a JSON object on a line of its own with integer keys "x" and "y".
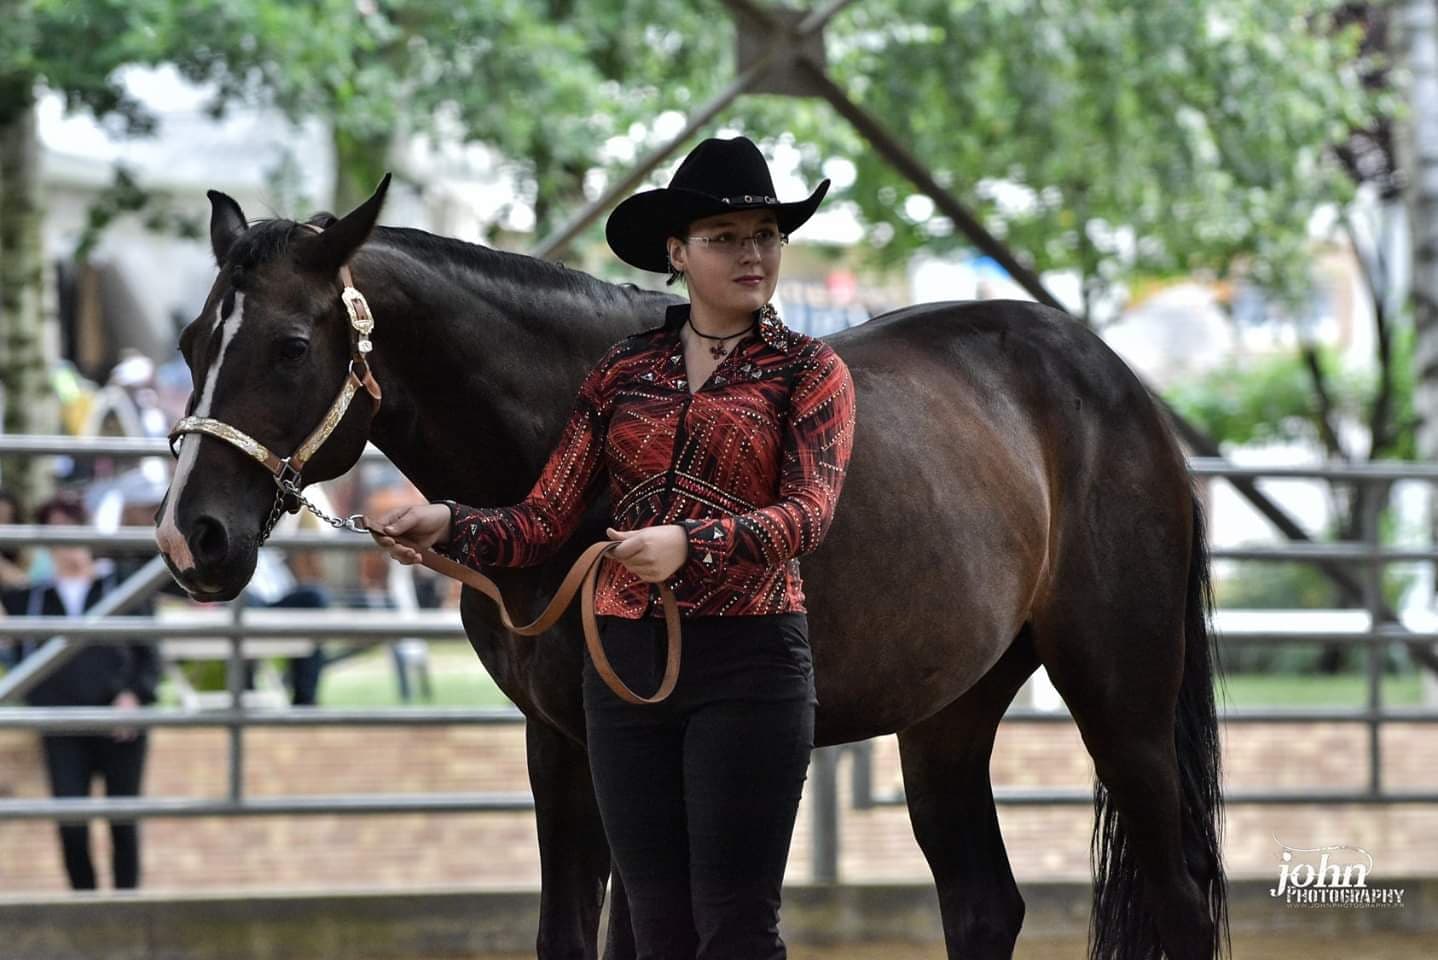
{"x": 293, "y": 348}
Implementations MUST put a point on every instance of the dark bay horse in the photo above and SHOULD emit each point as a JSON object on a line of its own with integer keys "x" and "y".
{"x": 1014, "y": 498}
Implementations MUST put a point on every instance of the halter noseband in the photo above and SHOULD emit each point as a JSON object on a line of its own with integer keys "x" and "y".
{"x": 286, "y": 470}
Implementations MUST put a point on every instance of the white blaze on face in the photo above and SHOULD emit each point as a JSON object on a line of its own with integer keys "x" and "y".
{"x": 171, "y": 541}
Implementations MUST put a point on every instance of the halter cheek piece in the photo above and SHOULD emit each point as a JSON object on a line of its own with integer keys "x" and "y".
{"x": 286, "y": 471}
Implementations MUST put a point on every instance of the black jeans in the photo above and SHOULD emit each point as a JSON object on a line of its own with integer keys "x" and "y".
{"x": 72, "y": 761}
{"x": 698, "y": 794}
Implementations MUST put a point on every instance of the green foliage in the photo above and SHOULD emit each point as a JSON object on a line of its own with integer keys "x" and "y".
{"x": 1256, "y": 585}
{"x": 1271, "y": 398}
{"x": 123, "y": 195}
{"x": 1133, "y": 139}
{"x": 75, "y": 49}
{"x": 1253, "y": 585}
{"x": 1158, "y": 138}
{"x": 544, "y": 84}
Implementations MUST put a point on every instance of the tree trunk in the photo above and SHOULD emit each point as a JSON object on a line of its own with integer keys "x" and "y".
{"x": 360, "y": 164}
{"x": 25, "y": 359}
{"x": 1418, "y": 140}
{"x": 1417, "y": 146}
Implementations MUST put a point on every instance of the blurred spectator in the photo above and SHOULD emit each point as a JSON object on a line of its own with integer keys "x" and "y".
{"x": 120, "y": 675}
{"x": 392, "y": 586}
{"x": 295, "y": 581}
{"x": 12, "y": 571}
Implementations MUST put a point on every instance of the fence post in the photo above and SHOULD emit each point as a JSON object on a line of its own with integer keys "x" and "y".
{"x": 235, "y": 682}
{"x": 825, "y": 826}
{"x": 1373, "y": 595}
{"x": 861, "y": 775}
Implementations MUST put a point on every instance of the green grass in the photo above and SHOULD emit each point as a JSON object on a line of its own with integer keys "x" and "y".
{"x": 369, "y": 680}
{"x": 459, "y": 680}
{"x": 1318, "y": 690}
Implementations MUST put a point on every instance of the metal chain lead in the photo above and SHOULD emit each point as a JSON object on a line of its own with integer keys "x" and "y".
{"x": 275, "y": 510}
{"x": 353, "y": 523}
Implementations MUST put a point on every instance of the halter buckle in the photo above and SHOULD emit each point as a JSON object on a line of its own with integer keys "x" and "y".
{"x": 360, "y": 317}
{"x": 288, "y": 478}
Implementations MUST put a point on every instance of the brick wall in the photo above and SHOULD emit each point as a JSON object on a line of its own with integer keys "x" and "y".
{"x": 499, "y": 850}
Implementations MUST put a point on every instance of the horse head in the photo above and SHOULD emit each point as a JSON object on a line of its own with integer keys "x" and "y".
{"x": 269, "y": 353}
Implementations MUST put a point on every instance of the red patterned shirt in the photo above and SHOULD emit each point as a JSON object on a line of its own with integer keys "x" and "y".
{"x": 750, "y": 465}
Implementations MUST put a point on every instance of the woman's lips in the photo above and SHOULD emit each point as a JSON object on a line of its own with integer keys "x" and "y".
{"x": 750, "y": 281}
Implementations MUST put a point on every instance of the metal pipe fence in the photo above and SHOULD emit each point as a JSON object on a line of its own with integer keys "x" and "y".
{"x": 248, "y": 631}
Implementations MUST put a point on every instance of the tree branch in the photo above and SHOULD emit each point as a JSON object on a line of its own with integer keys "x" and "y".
{"x": 1326, "y": 429}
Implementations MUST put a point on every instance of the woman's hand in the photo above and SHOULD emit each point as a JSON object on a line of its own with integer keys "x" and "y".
{"x": 404, "y": 531}
{"x": 654, "y": 554}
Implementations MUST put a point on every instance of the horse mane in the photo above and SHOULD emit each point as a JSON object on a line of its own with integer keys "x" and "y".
{"x": 268, "y": 239}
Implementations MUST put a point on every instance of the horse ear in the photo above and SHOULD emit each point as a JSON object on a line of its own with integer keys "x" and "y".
{"x": 328, "y": 251}
{"x": 227, "y": 223}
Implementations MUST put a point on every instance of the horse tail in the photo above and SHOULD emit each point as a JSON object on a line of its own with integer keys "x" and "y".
{"x": 1120, "y": 928}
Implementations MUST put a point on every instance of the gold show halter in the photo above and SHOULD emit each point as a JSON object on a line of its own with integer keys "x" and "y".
{"x": 286, "y": 473}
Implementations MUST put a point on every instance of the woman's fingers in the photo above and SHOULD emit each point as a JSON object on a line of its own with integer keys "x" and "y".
{"x": 403, "y": 552}
{"x": 398, "y": 520}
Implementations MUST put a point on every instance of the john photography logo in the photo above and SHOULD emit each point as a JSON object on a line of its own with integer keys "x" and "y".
{"x": 1335, "y": 876}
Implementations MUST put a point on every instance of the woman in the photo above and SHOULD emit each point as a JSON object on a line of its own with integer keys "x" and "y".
{"x": 724, "y": 437}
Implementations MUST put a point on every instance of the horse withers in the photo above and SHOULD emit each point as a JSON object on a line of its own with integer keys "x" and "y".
{"x": 1014, "y": 498}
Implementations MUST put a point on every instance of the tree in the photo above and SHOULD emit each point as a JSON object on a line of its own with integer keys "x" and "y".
{"x": 543, "y": 84}
{"x": 1417, "y": 45}
{"x": 1110, "y": 138}
{"x": 40, "y": 44}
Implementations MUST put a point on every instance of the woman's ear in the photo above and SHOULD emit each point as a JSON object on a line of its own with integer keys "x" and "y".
{"x": 676, "y": 253}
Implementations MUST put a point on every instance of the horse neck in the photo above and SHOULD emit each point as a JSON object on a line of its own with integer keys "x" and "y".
{"x": 478, "y": 372}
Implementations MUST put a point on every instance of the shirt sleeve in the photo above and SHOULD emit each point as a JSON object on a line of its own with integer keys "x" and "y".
{"x": 818, "y": 438}
{"x": 530, "y": 531}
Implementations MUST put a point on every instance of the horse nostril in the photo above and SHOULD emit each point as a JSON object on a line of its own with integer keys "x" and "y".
{"x": 208, "y": 542}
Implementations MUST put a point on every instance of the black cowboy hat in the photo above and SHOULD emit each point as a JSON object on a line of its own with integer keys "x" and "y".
{"x": 717, "y": 176}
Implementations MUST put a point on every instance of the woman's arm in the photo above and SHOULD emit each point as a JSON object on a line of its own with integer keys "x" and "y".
{"x": 818, "y": 438}
{"x": 530, "y": 531}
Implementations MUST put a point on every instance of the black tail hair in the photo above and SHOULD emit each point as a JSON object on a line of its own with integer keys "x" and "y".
{"x": 1120, "y": 929}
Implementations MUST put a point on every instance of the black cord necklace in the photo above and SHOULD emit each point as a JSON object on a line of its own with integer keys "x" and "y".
{"x": 718, "y": 350}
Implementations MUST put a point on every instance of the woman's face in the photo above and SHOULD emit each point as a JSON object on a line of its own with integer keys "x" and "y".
{"x": 729, "y": 281}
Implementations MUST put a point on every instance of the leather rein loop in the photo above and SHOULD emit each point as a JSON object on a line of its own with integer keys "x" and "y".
{"x": 286, "y": 473}
{"x": 580, "y": 578}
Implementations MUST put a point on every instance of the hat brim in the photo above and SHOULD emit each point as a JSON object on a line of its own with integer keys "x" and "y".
{"x": 637, "y": 228}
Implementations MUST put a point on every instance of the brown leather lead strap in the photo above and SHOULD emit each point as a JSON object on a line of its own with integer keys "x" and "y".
{"x": 581, "y": 575}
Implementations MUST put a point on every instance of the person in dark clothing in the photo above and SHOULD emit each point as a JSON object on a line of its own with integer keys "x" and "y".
{"x": 723, "y": 437}
{"x": 120, "y": 675}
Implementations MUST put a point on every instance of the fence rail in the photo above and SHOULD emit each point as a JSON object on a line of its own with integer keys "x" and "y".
{"x": 243, "y": 627}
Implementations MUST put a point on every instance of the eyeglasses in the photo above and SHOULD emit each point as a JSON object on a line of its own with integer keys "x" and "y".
{"x": 765, "y": 241}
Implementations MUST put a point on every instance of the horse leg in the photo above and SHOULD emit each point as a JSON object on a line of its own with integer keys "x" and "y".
{"x": 619, "y": 941}
{"x": 1134, "y": 669}
{"x": 951, "y": 806}
{"x": 573, "y": 853}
